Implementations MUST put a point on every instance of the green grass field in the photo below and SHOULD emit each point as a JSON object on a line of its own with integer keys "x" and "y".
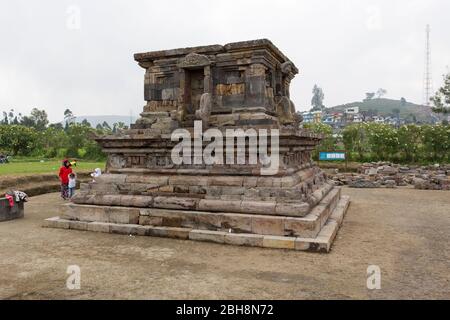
{"x": 15, "y": 168}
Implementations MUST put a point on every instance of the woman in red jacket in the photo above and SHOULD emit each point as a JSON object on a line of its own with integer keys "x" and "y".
{"x": 64, "y": 172}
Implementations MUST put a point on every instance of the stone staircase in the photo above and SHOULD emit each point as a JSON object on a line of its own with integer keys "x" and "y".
{"x": 130, "y": 214}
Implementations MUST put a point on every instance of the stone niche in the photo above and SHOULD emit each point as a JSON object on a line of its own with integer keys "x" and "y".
{"x": 242, "y": 85}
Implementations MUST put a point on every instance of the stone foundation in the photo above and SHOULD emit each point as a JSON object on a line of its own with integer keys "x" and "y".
{"x": 315, "y": 232}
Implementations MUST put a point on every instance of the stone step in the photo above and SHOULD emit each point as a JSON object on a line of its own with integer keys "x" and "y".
{"x": 321, "y": 243}
{"x": 216, "y": 200}
{"x": 308, "y": 226}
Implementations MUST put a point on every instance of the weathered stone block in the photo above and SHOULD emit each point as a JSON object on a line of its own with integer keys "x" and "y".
{"x": 302, "y": 244}
{"x": 175, "y": 203}
{"x": 265, "y": 182}
{"x": 219, "y": 205}
{"x": 123, "y": 215}
{"x": 237, "y": 222}
{"x": 136, "y": 201}
{"x": 301, "y": 227}
{"x": 56, "y": 222}
{"x": 158, "y": 180}
{"x": 253, "y": 240}
{"x": 111, "y": 178}
{"x": 206, "y": 220}
{"x": 226, "y": 181}
{"x": 189, "y": 180}
{"x": 149, "y": 220}
{"x": 250, "y": 182}
{"x": 292, "y": 209}
{"x": 206, "y": 235}
{"x": 124, "y": 228}
{"x": 278, "y": 242}
{"x": 268, "y": 225}
{"x": 262, "y": 207}
{"x": 99, "y": 227}
{"x": 78, "y": 225}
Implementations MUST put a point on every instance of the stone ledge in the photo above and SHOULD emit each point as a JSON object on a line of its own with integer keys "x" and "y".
{"x": 321, "y": 243}
{"x": 256, "y": 223}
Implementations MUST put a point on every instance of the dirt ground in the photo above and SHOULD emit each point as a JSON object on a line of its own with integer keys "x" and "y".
{"x": 405, "y": 232}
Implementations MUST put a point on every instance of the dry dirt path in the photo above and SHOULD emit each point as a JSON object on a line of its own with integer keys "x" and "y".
{"x": 404, "y": 231}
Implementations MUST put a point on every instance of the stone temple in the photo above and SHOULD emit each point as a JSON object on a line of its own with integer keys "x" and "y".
{"x": 241, "y": 85}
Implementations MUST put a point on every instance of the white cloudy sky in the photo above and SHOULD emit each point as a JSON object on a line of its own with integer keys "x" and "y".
{"x": 348, "y": 47}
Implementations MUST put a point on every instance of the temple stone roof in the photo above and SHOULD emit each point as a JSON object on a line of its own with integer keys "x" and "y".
{"x": 212, "y": 49}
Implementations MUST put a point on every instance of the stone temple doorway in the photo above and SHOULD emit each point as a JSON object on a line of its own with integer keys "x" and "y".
{"x": 194, "y": 89}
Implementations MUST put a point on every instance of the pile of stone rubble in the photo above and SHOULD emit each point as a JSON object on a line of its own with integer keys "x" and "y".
{"x": 389, "y": 175}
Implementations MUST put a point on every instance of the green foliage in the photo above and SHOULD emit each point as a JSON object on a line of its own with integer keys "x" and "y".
{"x": 441, "y": 99}
{"x": 409, "y": 143}
{"x": 54, "y": 141}
{"x": 30, "y": 135}
{"x": 436, "y": 142}
{"x": 328, "y": 142}
{"x": 355, "y": 139}
{"x": 17, "y": 139}
{"x": 382, "y": 139}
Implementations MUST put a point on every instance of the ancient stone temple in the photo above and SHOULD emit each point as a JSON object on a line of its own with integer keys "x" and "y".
{"x": 242, "y": 88}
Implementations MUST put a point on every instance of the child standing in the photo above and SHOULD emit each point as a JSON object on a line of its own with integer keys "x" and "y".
{"x": 97, "y": 173}
{"x": 72, "y": 184}
{"x": 64, "y": 172}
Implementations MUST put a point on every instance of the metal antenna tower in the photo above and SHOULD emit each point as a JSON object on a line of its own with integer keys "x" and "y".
{"x": 427, "y": 78}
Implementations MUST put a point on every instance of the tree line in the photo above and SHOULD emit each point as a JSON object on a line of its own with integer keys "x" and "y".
{"x": 32, "y": 135}
{"x": 366, "y": 142}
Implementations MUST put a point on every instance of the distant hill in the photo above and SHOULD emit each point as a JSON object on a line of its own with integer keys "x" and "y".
{"x": 110, "y": 119}
{"x": 385, "y": 107}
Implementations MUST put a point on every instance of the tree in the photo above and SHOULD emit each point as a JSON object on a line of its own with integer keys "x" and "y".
{"x": 39, "y": 118}
{"x": 68, "y": 114}
{"x": 355, "y": 139}
{"x": 5, "y": 118}
{"x": 27, "y": 121}
{"x": 436, "y": 142}
{"x": 53, "y": 139}
{"x": 317, "y": 99}
{"x": 441, "y": 100}
{"x": 10, "y": 116}
{"x": 402, "y": 101}
{"x": 106, "y": 126}
{"x": 369, "y": 96}
{"x": 409, "y": 142}
{"x": 328, "y": 142}
{"x": 57, "y": 125}
{"x": 381, "y": 92}
{"x": 18, "y": 139}
{"x": 85, "y": 123}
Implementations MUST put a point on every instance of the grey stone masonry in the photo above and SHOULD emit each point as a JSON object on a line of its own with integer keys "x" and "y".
{"x": 241, "y": 86}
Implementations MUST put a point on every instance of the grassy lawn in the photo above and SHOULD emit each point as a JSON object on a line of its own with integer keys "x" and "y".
{"x": 51, "y": 166}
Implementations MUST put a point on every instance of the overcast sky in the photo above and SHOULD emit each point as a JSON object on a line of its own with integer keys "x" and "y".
{"x": 79, "y": 54}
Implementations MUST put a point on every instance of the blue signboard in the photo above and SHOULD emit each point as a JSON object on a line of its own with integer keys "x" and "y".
{"x": 331, "y": 155}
